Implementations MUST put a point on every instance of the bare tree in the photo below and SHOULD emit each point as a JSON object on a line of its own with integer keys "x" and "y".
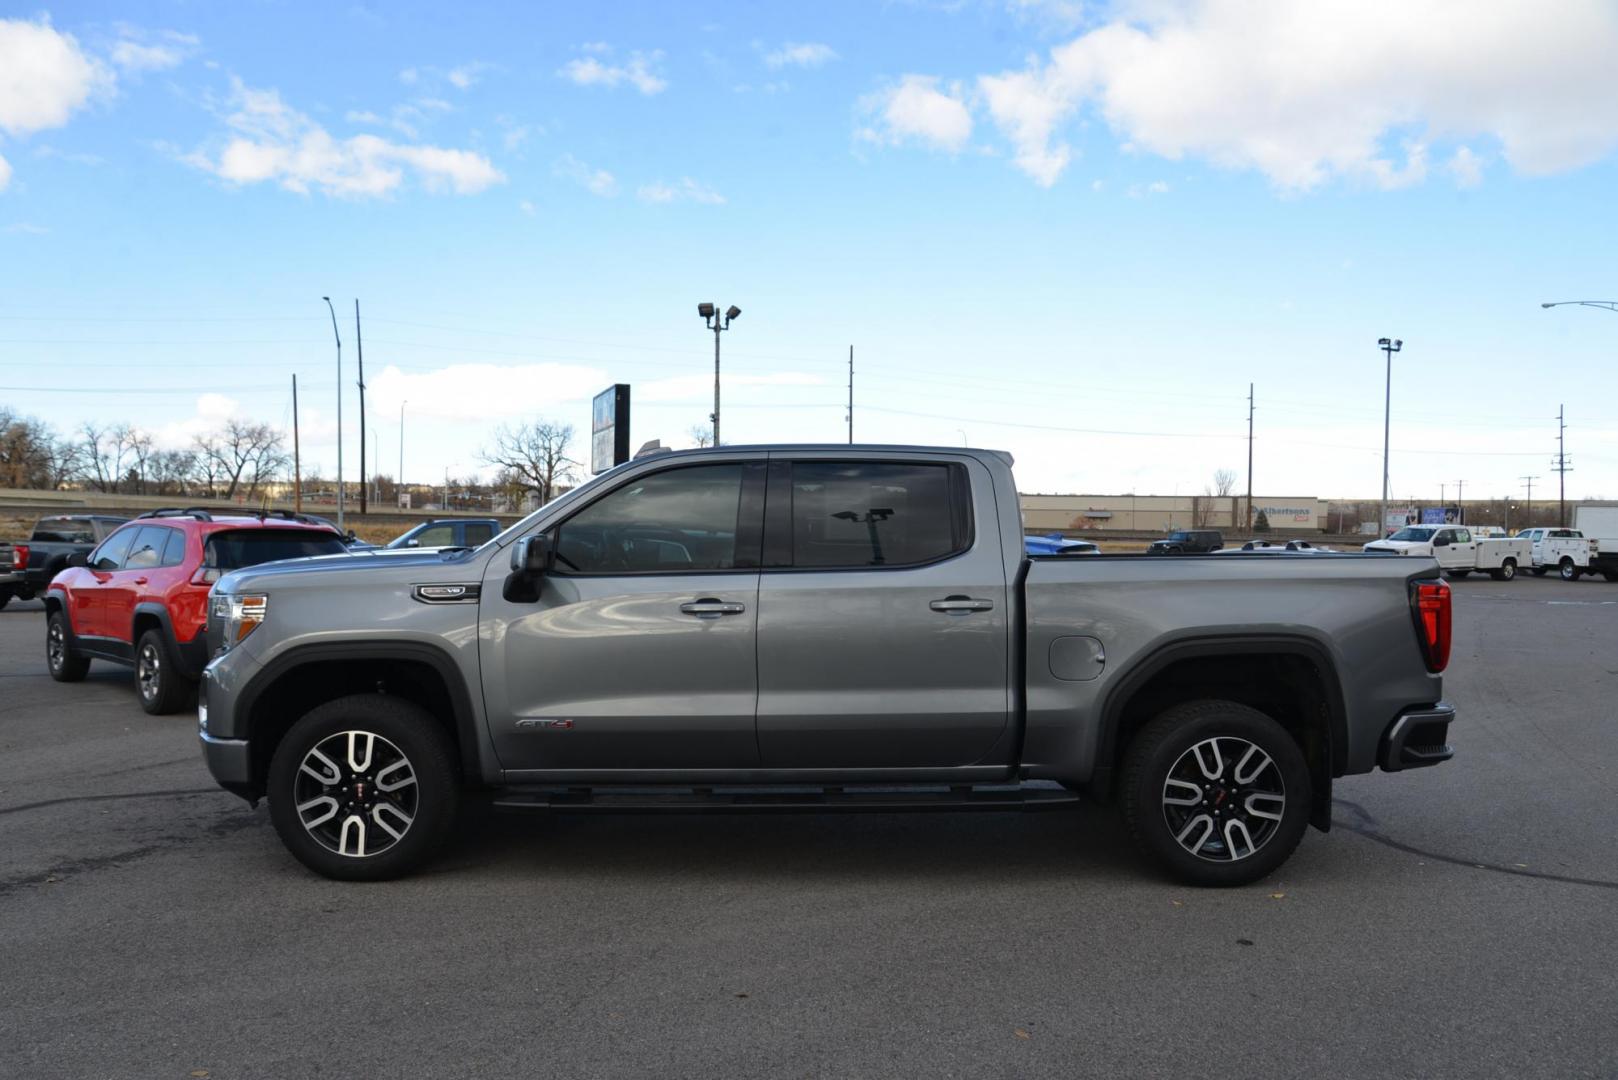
{"x": 102, "y": 457}
{"x": 1224, "y": 482}
{"x": 132, "y": 446}
{"x": 206, "y": 456}
{"x": 701, "y": 434}
{"x": 170, "y": 472}
{"x": 28, "y": 449}
{"x": 533, "y": 455}
{"x": 244, "y": 449}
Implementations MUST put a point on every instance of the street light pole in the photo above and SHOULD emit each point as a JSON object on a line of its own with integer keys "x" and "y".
{"x": 399, "y": 484}
{"x": 339, "y": 339}
{"x": 717, "y": 323}
{"x": 1389, "y": 346}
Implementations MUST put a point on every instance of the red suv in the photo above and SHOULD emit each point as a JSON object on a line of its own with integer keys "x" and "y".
{"x": 141, "y": 597}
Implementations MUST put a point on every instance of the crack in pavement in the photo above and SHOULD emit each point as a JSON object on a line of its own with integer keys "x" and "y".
{"x": 101, "y": 798}
{"x": 1366, "y": 830}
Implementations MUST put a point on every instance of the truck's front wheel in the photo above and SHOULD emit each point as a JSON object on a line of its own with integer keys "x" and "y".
{"x": 364, "y": 788}
{"x": 1216, "y": 792}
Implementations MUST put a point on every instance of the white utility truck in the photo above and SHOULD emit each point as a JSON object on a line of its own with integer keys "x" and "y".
{"x": 1600, "y": 524}
{"x": 1567, "y": 551}
{"x": 1457, "y": 550}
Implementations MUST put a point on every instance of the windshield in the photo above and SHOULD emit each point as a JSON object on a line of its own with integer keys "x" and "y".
{"x": 1413, "y": 534}
{"x": 249, "y": 547}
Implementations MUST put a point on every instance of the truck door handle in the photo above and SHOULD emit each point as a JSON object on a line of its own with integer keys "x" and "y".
{"x": 709, "y": 607}
{"x": 961, "y": 605}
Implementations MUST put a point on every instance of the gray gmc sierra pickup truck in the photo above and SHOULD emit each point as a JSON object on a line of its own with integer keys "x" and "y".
{"x": 816, "y": 628}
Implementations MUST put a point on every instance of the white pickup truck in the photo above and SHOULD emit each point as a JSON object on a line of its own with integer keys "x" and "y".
{"x": 1600, "y": 525}
{"x": 1567, "y": 551}
{"x": 1457, "y": 550}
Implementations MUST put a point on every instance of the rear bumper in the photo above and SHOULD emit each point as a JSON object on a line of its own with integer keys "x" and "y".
{"x": 1417, "y": 739}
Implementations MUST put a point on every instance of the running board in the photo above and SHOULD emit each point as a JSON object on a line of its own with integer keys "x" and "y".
{"x": 787, "y": 799}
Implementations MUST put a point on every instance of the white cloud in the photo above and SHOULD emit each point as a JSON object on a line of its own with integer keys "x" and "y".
{"x": 687, "y": 190}
{"x": 365, "y": 116}
{"x": 596, "y": 181}
{"x": 1466, "y": 167}
{"x": 917, "y": 110}
{"x": 24, "y": 228}
{"x": 5, "y": 173}
{"x": 685, "y": 387}
{"x": 1140, "y": 191}
{"x": 409, "y": 76}
{"x": 137, "y": 51}
{"x": 807, "y": 54}
{"x": 637, "y": 71}
{"x": 270, "y": 141}
{"x": 44, "y": 76}
{"x": 526, "y": 207}
{"x": 464, "y": 76}
{"x": 477, "y": 391}
{"x": 1306, "y": 93}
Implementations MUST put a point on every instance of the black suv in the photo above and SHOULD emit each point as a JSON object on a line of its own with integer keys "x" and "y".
{"x": 1187, "y": 542}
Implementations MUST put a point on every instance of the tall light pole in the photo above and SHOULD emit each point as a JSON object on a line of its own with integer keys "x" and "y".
{"x": 339, "y": 340}
{"x": 399, "y": 485}
{"x": 1389, "y": 346}
{"x": 717, "y": 323}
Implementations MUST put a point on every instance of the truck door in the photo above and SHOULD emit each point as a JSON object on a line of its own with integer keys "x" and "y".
{"x": 883, "y": 616}
{"x": 1465, "y": 549}
{"x": 639, "y": 650}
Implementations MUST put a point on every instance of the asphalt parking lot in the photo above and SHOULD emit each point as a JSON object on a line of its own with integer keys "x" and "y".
{"x": 1459, "y": 921}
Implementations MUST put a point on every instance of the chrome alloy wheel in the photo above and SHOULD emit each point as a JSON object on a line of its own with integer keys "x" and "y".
{"x": 356, "y": 793}
{"x": 149, "y": 672}
{"x": 55, "y": 646}
{"x": 1224, "y": 799}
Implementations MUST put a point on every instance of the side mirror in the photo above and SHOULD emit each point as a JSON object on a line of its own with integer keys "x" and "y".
{"x": 532, "y": 555}
{"x": 412, "y": 542}
{"x": 79, "y": 558}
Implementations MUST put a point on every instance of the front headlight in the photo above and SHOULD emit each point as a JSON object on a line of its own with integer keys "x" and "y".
{"x": 237, "y": 616}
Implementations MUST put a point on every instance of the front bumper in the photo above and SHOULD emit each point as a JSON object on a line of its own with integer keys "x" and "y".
{"x": 230, "y": 760}
{"x": 1417, "y": 739}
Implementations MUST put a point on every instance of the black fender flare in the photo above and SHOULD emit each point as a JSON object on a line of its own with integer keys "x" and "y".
{"x": 1198, "y": 647}
{"x": 435, "y": 657}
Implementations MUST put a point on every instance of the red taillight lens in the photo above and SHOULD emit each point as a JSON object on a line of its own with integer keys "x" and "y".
{"x": 1432, "y": 609}
{"x": 19, "y": 556}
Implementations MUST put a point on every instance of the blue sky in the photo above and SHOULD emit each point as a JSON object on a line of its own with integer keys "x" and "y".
{"x": 1075, "y": 231}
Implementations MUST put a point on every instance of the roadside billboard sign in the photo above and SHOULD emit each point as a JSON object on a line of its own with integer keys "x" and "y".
{"x": 609, "y": 428}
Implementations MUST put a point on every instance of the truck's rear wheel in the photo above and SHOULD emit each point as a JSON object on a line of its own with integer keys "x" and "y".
{"x": 364, "y": 788}
{"x": 5, "y": 596}
{"x": 1216, "y": 792}
{"x": 1507, "y": 571}
{"x": 1566, "y": 568}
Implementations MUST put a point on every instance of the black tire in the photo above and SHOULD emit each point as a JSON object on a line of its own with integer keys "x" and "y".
{"x": 1610, "y": 575}
{"x": 405, "y": 730}
{"x": 1507, "y": 571}
{"x": 158, "y": 682}
{"x": 5, "y": 597}
{"x": 1458, "y": 573}
{"x": 1159, "y": 752}
{"x": 1566, "y": 568}
{"x": 63, "y": 662}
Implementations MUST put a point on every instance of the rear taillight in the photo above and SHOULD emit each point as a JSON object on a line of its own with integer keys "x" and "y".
{"x": 19, "y": 556}
{"x": 1430, "y": 602}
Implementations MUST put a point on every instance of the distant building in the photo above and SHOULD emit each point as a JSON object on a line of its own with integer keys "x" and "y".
{"x": 1153, "y": 514}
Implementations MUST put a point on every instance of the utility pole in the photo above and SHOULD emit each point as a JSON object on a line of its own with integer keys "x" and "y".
{"x": 1389, "y": 346}
{"x": 1460, "y": 502}
{"x": 1528, "y": 507}
{"x": 1561, "y": 466}
{"x": 297, "y": 461}
{"x": 359, "y": 347}
{"x": 851, "y": 395}
{"x": 339, "y": 340}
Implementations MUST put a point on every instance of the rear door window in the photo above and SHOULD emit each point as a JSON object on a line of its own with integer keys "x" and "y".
{"x": 864, "y": 514}
{"x": 110, "y": 555}
{"x": 147, "y": 550}
{"x": 478, "y": 533}
{"x": 233, "y": 549}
